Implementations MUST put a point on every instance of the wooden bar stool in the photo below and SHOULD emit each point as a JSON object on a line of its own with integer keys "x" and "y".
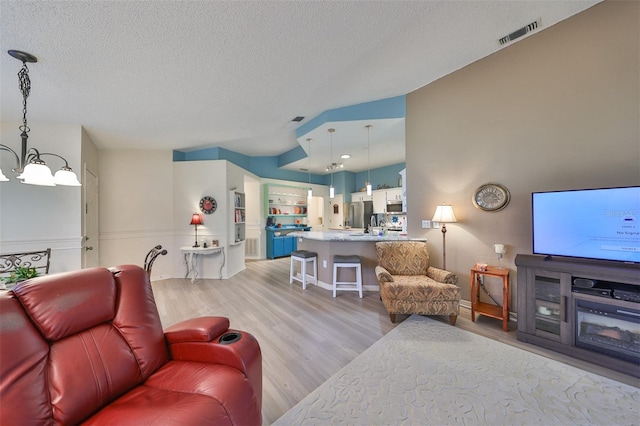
{"x": 304, "y": 256}
{"x": 351, "y": 261}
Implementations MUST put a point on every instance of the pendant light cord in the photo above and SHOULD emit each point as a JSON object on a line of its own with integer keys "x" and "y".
{"x": 369, "y": 153}
{"x": 309, "y": 167}
{"x": 331, "y": 153}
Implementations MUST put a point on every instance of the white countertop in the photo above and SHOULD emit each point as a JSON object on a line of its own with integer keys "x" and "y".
{"x": 351, "y": 236}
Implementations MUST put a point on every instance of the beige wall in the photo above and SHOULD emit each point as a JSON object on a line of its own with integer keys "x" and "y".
{"x": 136, "y": 207}
{"x": 558, "y": 110}
{"x": 36, "y": 217}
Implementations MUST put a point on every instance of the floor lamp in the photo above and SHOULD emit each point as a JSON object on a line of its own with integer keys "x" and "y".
{"x": 444, "y": 214}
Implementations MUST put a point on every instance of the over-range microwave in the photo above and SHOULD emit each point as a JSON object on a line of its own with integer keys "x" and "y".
{"x": 394, "y": 206}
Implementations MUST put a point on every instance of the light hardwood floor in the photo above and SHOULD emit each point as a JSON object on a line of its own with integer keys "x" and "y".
{"x": 306, "y": 335}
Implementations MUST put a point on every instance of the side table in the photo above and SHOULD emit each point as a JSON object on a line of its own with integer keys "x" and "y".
{"x": 191, "y": 259}
{"x": 493, "y": 311}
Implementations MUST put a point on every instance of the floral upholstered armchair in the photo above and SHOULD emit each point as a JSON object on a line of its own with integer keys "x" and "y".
{"x": 408, "y": 285}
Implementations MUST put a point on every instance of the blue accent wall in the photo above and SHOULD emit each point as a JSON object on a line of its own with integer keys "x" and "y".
{"x": 387, "y": 175}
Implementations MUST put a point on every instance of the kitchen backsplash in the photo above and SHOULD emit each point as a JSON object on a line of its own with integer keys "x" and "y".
{"x": 391, "y": 221}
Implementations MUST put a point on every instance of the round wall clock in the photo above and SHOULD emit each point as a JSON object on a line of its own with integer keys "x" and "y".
{"x": 491, "y": 197}
{"x": 208, "y": 205}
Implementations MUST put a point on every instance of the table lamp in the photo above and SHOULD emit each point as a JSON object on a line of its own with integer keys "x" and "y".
{"x": 196, "y": 220}
{"x": 500, "y": 249}
{"x": 444, "y": 214}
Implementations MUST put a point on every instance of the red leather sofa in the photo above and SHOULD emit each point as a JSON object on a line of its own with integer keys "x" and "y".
{"x": 88, "y": 347}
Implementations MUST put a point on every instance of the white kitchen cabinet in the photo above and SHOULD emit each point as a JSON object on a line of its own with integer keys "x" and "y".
{"x": 360, "y": 196}
{"x": 394, "y": 194}
{"x": 381, "y": 197}
{"x": 379, "y": 201}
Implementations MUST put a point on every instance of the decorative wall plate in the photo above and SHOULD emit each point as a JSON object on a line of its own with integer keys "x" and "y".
{"x": 208, "y": 205}
{"x": 491, "y": 197}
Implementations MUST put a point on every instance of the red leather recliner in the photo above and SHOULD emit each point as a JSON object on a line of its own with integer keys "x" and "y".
{"x": 88, "y": 347}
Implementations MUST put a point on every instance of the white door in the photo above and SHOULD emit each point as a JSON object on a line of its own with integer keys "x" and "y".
{"x": 91, "y": 243}
{"x": 336, "y": 207}
{"x": 315, "y": 213}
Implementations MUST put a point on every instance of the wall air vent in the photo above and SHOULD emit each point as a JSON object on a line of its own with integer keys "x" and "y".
{"x": 519, "y": 33}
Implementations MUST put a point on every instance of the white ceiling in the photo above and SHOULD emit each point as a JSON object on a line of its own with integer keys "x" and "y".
{"x": 385, "y": 142}
{"x": 233, "y": 74}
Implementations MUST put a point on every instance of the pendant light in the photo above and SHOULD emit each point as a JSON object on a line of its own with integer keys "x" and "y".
{"x": 309, "y": 191}
{"x": 31, "y": 167}
{"x": 368, "y": 183}
{"x": 332, "y": 190}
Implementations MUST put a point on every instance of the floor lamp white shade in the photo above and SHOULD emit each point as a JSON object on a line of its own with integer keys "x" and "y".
{"x": 444, "y": 214}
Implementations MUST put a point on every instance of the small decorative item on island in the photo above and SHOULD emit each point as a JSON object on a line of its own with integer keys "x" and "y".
{"x": 214, "y": 243}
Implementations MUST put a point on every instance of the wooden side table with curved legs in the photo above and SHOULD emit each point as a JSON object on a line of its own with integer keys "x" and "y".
{"x": 191, "y": 259}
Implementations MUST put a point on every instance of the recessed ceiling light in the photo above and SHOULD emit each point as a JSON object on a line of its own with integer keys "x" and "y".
{"x": 345, "y": 156}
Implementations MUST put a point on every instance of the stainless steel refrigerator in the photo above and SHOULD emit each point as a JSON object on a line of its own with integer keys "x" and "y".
{"x": 360, "y": 213}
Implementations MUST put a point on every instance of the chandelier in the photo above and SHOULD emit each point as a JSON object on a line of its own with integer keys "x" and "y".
{"x": 30, "y": 167}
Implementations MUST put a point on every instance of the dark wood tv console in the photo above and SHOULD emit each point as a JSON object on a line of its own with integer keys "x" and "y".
{"x": 570, "y": 306}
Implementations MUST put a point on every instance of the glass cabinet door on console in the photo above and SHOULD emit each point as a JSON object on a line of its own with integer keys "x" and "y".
{"x": 549, "y": 314}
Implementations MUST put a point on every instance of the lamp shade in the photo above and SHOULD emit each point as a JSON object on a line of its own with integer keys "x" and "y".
{"x": 37, "y": 174}
{"x": 66, "y": 178}
{"x": 444, "y": 214}
{"x": 196, "y": 219}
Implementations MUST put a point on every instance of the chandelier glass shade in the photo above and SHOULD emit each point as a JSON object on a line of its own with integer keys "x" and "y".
{"x": 31, "y": 169}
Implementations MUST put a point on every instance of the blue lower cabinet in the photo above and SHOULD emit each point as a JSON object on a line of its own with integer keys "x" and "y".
{"x": 281, "y": 245}
{"x": 288, "y": 246}
{"x": 278, "y": 246}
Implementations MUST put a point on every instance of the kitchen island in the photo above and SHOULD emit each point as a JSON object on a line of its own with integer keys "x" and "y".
{"x": 328, "y": 244}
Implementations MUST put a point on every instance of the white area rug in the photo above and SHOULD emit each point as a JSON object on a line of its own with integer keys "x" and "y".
{"x": 425, "y": 372}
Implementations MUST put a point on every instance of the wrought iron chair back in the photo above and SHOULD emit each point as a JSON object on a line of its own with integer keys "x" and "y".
{"x": 39, "y": 260}
{"x": 151, "y": 257}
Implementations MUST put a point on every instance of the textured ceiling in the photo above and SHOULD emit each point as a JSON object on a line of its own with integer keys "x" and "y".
{"x": 195, "y": 74}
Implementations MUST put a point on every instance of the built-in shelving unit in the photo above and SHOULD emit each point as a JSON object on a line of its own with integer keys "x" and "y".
{"x": 286, "y": 209}
{"x": 285, "y": 204}
{"x": 238, "y": 233}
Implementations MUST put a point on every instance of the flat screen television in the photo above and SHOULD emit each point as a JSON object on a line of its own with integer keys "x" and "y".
{"x": 602, "y": 224}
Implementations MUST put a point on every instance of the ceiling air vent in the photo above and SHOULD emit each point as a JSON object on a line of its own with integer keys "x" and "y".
{"x": 298, "y": 119}
{"x": 519, "y": 33}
